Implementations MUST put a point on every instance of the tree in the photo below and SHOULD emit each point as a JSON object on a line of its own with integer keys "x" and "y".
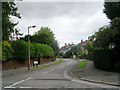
{"x": 115, "y": 26}
{"x": 44, "y": 36}
{"x": 8, "y": 9}
{"x": 112, "y": 9}
{"x": 103, "y": 37}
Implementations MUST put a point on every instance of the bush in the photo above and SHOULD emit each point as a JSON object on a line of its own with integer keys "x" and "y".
{"x": 7, "y": 51}
{"x": 20, "y": 49}
{"x": 43, "y": 50}
{"x": 83, "y": 55}
{"x": 103, "y": 59}
{"x": 90, "y": 56}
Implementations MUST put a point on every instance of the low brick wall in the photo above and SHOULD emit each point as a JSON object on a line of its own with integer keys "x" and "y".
{"x": 14, "y": 64}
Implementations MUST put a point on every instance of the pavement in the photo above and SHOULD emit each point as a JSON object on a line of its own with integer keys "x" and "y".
{"x": 21, "y": 70}
{"x": 92, "y": 74}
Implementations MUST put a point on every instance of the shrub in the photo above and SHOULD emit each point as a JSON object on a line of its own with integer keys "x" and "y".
{"x": 83, "y": 55}
{"x": 102, "y": 59}
{"x": 7, "y": 51}
{"x": 20, "y": 49}
{"x": 43, "y": 50}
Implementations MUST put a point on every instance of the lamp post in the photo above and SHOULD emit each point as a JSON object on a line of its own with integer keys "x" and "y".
{"x": 29, "y": 46}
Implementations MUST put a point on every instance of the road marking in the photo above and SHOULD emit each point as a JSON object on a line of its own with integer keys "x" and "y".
{"x": 48, "y": 71}
{"x": 25, "y": 87}
{"x": 11, "y": 86}
{"x": 8, "y": 87}
{"x": 66, "y": 76}
{"x": 16, "y": 83}
{"x": 28, "y": 78}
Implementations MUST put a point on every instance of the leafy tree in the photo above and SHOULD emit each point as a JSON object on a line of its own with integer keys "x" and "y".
{"x": 112, "y": 9}
{"x": 89, "y": 47}
{"x": 103, "y": 37}
{"x": 8, "y": 9}
{"x": 116, "y": 39}
{"x": 115, "y": 26}
{"x": 44, "y": 36}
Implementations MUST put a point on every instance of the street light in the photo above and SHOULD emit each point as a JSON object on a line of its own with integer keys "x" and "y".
{"x": 29, "y": 46}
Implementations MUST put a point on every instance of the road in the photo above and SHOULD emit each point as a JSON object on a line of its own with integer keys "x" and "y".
{"x": 52, "y": 77}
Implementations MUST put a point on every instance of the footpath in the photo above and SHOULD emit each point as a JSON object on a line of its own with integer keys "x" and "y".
{"x": 21, "y": 70}
{"x": 91, "y": 74}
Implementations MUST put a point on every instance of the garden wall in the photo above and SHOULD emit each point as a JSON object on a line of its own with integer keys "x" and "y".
{"x": 15, "y": 64}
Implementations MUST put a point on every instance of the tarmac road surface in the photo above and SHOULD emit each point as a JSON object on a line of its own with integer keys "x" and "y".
{"x": 53, "y": 77}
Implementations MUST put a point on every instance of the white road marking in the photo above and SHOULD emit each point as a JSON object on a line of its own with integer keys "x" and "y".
{"x": 16, "y": 83}
{"x": 66, "y": 76}
{"x": 48, "y": 71}
{"x": 11, "y": 86}
{"x": 8, "y": 87}
{"x": 28, "y": 78}
{"x": 25, "y": 87}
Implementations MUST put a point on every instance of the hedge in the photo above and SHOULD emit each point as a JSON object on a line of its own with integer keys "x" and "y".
{"x": 103, "y": 59}
{"x": 20, "y": 49}
{"x": 43, "y": 50}
{"x": 7, "y": 51}
{"x": 32, "y": 51}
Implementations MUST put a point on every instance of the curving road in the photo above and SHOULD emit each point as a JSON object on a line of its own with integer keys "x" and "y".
{"x": 52, "y": 77}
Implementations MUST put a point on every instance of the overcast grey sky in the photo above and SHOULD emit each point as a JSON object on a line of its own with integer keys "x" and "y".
{"x": 70, "y": 21}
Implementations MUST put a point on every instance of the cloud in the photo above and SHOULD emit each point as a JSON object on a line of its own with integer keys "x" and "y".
{"x": 70, "y": 21}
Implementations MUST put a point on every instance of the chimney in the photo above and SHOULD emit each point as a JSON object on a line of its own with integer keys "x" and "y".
{"x": 81, "y": 41}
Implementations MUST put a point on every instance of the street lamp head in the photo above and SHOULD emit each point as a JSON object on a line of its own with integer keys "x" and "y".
{"x": 34, "y": 26}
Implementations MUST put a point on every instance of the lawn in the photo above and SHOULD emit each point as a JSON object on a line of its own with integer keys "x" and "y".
{"x": 82, "y": 64}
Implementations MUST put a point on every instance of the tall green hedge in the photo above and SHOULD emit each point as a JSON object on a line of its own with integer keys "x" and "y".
{"x": 103, "y": 59}
{"x": 20, "y": 49}
{"x": 43, "y": 50}
{"x": 32, "y": 51}
{"x": 7, "y": 51}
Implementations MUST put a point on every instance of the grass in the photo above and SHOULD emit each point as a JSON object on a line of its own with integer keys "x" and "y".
{"x": 82, "y": 64}
{"x": 49, "y": 65}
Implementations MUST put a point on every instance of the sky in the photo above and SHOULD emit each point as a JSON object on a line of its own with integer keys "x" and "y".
{"x": 69, "y": 21}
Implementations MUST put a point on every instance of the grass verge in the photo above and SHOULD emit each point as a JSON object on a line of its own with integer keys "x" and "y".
{"x": 82, "y": 64}
{"x": 48, "y": 65}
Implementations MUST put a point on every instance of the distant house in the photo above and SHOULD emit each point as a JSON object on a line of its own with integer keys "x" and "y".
{"x": 66, "y": 48}
{"x": 83, "y": 44}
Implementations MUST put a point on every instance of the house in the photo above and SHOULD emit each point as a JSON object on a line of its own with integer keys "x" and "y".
{"x": 66, "y": 48}
{"x": 83, "y": 44}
